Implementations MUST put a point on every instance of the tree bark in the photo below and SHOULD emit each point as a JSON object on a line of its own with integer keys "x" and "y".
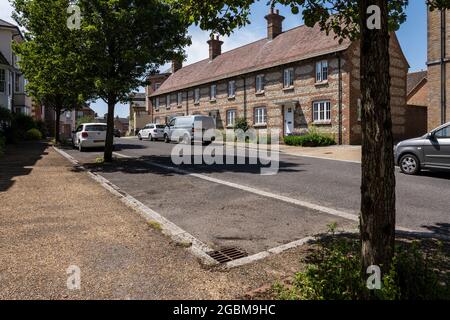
{"x": 377, "y": 223}
{"x": 107, "y": 156}
{"x": 57, "y": 121}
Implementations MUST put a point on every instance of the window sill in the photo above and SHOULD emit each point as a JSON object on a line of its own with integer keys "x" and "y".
{"x": 213, "y": 100}
{"x": 260, "y": 125}
{"x": 179, "y": 106}
{"x": 260, "y": 93}
{"x": 291, "y": 88}
{"x": 231, "y": 97}
{"x": 328, "y": 122}
{"x": 196, "y": 103}
{"x": 321, "y": 83}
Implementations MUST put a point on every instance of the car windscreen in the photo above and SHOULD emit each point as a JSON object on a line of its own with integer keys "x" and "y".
{"x": 95, "y": 128}
{"x": 160, "y": 126}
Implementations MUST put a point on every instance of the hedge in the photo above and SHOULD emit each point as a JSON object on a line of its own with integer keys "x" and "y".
{"x": 311, "y": 139}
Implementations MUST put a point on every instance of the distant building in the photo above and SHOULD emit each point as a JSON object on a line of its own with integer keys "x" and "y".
{"x": 12, "y": 82}
{"x": 416, "y": 112}
{"x": 139, "y": 115}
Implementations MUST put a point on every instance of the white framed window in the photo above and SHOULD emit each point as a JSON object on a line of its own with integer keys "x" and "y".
{"x": 322, "y": 111}
{"x": 157, "y": 103}
{"x": 197, "y": 95}
{"x": 231, "y": 88}
{"x": 288, "y": 77}
{"x": 179, "y": 98}
{"x": 231, "y": 117}
{"x": 213, "y": 92}
{"x": 168, "y": 101}
{"x": 17, "y": 83}
{"x": 2, "y": 81}
{"x": 322, "y": 71}
{"x": 260, "y": 116}
{"x": 259, "y": 83}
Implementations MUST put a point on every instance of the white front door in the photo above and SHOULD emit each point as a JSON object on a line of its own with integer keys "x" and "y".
{"x": 288, "y": 120}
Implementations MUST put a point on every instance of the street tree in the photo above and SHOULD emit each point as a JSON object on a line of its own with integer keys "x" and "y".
{"x": 51, "y": 56}
{"x": 125, "y": 41}
{"x": 370, "y": 22}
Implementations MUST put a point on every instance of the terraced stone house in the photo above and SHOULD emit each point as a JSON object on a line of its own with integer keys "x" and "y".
{"x": 290, "y": 80}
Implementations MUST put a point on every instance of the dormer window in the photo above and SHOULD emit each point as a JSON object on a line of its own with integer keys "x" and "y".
{"x": 197, "y": 95}
{"x": 231, "y": 89}
{"x": 168, "y": 101}
{"x": 259, "y": 83}
{"x": 213, "y": 92}
{"x": 288, "y": 78}
{"x": 179, "y": 98}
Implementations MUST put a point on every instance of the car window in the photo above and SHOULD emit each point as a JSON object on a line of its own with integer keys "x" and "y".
{"x": 80, "y": 128}
{"x": 172, "y": 123}
{"x": 160, "y": 126}
{"x": 443, "y": 133}
{"x": 95, "y": 128}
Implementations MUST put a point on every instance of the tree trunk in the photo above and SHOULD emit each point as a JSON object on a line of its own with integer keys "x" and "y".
{"x": 110, "y": 130}
{"x": 377, "y": 223}
{"x": 57, "y": 121}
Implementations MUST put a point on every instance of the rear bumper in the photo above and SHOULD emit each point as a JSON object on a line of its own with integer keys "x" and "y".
{"x": 159, "y": 135}
{"x": 92, "y": 144}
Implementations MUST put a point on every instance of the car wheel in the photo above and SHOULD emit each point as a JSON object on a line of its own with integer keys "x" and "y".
{"x": 166, "y": 138}
{"x": 150, "y": 137}
{"x": 139, "y": 137}
{"x": 409, "y": 164}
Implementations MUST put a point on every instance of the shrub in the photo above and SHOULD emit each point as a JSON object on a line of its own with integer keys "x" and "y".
{"x": 333, "y": 273}
{"x": 33, "y": 135}
{"x": 241, "y": 123}
{"x": 42, "y": 127}
{"x": 311, "y": 139}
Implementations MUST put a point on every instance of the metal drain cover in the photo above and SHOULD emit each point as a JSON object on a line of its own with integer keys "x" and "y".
{"x": 227, "y": 254}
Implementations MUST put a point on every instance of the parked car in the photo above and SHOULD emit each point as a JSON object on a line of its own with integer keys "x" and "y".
{"x": 431, "y": 151}
{"x": 181, "y": 129}
{"x": 152, "y": 131}
{"x": 89, "y": 135}
{"x": 117, "y": 133}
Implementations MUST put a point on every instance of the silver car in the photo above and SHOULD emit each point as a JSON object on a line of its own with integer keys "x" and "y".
{"x": 431, "y": 151}
{"x": 183, "y": 129}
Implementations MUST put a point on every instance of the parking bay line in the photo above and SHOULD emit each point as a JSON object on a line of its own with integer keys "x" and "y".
{"x": 302, "y": 203}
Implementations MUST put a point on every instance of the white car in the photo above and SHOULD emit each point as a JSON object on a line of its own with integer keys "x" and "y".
{"x": 89, "y": 135}
{"x": 152, "y": 131}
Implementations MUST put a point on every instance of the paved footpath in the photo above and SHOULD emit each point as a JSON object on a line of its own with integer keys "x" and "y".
{"x": 53, "y": 216}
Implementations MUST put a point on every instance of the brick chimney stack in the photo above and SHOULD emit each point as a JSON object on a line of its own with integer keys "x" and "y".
{"x": 215, "y": 47}
{"x": 177, "y": 64}
{"x": 274, "y": 24}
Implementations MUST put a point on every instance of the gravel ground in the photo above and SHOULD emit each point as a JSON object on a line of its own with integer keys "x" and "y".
{"x": 52, "y": 217}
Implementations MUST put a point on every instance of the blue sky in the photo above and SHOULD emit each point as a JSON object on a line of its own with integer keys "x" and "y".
{"x": 412, "y": 36}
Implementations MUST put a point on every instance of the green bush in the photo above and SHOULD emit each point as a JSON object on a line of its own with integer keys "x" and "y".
{"x": 333, "y": 273}
{"x": 311, "y": 139}
{"x": 42, "y": 127}
{"x": 33, "y": 135}
{"x": 241, "y": 123}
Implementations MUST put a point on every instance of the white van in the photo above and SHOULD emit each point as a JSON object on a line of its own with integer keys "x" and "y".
{"x": 182, "y": 129}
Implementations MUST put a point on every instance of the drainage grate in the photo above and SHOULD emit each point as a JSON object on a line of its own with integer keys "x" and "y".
{"x": 227, "y": 254}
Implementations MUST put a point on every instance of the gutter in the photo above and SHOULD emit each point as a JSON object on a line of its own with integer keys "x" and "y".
{"x": 443, "y": 69}
{"x": 339, "y": 99}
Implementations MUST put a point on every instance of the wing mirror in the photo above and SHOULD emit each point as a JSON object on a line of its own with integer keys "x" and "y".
{"x": 431, "y": 136}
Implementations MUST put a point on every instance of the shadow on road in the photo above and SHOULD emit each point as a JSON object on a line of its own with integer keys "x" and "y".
{"x": 142, "y": 165}
{"x": 18, "y": 161}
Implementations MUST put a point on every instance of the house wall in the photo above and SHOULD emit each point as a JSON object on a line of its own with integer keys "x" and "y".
{"x": 398, "y": 71}
{"x": 434, "y": 68}
{"x": 419, "y": 96}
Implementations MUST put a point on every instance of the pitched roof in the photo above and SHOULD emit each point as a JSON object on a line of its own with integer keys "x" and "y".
{"x": 293, "y": 45}
{"x": 414, "y": 79}
{"x": 4, "y": 23}
{"x": 3, "y": 60}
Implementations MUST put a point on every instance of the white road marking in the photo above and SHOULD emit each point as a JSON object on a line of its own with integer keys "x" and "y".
{"x": 259, "y": 192}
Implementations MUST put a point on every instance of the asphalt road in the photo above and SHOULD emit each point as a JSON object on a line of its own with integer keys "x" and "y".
{"x": 222, "y": 216}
